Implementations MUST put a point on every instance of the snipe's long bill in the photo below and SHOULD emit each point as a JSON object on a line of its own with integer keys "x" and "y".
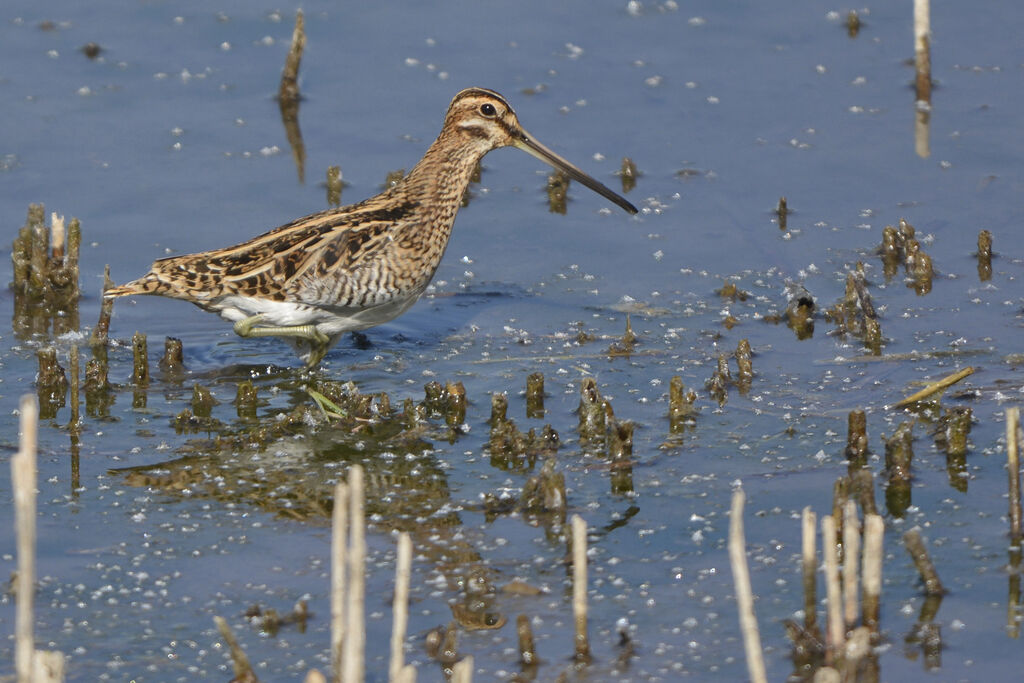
{"x": 357, "y": 266}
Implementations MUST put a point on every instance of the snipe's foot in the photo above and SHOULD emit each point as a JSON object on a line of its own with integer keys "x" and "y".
{"x": 319, "y": 343}
{"x": 250, "y": 327}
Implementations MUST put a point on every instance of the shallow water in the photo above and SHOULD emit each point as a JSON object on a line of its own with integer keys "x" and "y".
{"x": 171, "y": 142}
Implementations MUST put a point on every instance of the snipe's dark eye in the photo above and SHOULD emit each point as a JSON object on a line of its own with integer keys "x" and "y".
{"x": 488, "y": 110}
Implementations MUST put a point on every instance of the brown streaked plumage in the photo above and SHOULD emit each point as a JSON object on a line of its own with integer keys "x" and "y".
{"x": 357, "y": 266}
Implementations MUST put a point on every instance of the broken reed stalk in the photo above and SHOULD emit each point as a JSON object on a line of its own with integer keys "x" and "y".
{"x": 289, "y": 89}
{"x": 744, "y": 593}
{"x": 933, "y": 388}
{"x": 809, "y": 536}
{"x": 535, "y": 395}
{"x": 462, "y": 672}
{"x": 782, "y": 211}
{"x": 334, "y": 185}
{"x": 140, "y": 359}
{"x": 23, "y": 481}
{"x": 400, "y": 608}
{"x": 851, "y": 555}
{"x": 527, "y": 648}
{"x": 339, "y": 540}
{"x": 75, "y": 388}
{"x": 836, "y": 634}
{"x": 239, "y": 660}
{"x": 984, "y": 256}
{"x": 1013, "y": 465}
{"x": 915, "y": 546}
{"x": 579, "y": 587}
{"x": 352, "y": 666}
{"x": 856, "y": 436}
{"x": 874, "y": 534}
{"x": 101, "y": 332}
{"x": 922, "y": 50}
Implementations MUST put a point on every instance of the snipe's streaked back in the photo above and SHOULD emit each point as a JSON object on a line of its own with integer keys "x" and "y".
{"x": 357, "y": 266}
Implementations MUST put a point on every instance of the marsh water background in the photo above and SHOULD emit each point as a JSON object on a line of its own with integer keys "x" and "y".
{"x": 171, "y": 142}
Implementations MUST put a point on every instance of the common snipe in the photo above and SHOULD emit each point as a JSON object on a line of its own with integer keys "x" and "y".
{"x": 357, "y": 266}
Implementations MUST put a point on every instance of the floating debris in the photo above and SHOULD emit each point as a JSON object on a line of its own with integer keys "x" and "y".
{"x": 933, "y": 388}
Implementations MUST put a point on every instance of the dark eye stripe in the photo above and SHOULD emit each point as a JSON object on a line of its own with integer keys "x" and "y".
{"x": 476, "y": 131}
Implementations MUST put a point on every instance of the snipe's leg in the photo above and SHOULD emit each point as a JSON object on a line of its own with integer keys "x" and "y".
{"x": 317, "y": 351}
{"x": 319, "y": 342}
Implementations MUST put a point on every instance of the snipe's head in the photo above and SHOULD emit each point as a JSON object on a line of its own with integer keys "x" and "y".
{"x": 484, "y": 120}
